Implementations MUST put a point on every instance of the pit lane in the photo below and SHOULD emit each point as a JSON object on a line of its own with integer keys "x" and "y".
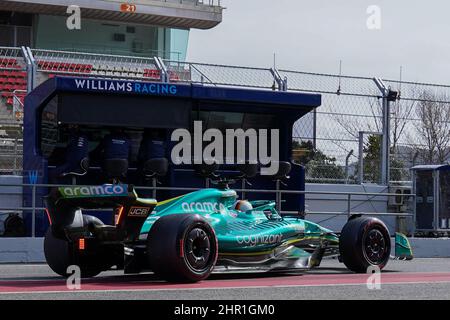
{"x": 417, "y": 279}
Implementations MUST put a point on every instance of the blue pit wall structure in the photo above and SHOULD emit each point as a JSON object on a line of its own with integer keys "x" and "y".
{"x": 99, "y": 103}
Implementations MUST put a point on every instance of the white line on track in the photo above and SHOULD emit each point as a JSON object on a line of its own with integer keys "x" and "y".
{"x": 218, "y": 288}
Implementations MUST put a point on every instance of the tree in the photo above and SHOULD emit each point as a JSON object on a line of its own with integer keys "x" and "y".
{"x": 372, "y": 162}
{"x": 433, "y": 113}
{"x": 318, "y": 165}
{"x": 401, "y": 111}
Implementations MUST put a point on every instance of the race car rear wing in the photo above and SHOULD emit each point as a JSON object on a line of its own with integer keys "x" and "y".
{"x": 64, "y": 203}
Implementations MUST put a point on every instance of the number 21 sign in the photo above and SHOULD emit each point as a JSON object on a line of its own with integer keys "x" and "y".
{"x": 126, "y": 7}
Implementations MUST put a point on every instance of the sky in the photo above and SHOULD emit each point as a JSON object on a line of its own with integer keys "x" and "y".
{"x": 315, "y": 35}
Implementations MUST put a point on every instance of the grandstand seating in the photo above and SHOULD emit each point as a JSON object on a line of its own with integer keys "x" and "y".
{"x": 66, "y": 67}
{"x": 156, "y": 75}
{"x": 12, "y": 78}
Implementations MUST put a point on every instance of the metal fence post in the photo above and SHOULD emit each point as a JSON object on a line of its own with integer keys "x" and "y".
{"x": 33, "y": 211}
{"x": 385, "y": 148}
{"x": 349, "y": 205}
{"x": 281, "y": 84}
{"x": 361, "y": 157}
{"x": 33, "y": 68}
{"x": 15, "y": 155}
{"x": 278, "y": 195}
{"x": 164, "y": 75}
{"x": 29, "y": 69}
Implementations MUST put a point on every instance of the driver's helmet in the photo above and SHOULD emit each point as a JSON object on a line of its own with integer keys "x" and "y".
{"x": 243, "y": 205}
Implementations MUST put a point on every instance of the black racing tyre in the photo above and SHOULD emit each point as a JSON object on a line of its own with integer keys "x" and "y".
{"x": 182, "y": 248}
{"x": 59, "y": 253}
{"x": 364, "y": 242}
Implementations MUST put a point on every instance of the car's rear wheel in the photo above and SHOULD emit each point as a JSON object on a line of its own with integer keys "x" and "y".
{"x": 60, "y": 254}
{"x": 364, "y": 242}
{"x": 182, "y": 248}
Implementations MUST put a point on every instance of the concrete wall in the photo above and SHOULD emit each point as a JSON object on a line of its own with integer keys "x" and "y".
{"x": 430, "y": 247}
{"x": 21, "y": 250}
{"x": 10, "y": 197}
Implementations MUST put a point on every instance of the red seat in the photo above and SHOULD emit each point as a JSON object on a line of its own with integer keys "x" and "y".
{"x": 45, "y": 65}
{"x": 152, "y": 73}
{"x": 7, "y": 62}
{"x": 5, "y": 73}
{"x": 173, "y": 76}
{"x": 64, "y": 67}
{"x": 19, "y": 74}
{"x": 18, "y": 87}
{"x": 7, "y": 95}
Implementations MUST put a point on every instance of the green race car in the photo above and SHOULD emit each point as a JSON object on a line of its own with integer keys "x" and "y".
{"x": 187, "y": 237}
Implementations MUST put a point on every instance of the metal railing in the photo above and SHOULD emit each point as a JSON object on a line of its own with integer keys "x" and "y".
{"x": 349, "y": 197}
{"x": 225, "y": 75}
{"x": 9, "y": 56}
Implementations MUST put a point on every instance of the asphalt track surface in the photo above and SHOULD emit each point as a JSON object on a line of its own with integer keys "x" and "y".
{"x": 417, "y": 279}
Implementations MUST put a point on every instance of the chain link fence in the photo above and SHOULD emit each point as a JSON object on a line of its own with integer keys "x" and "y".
{"x": 419, "y": 123}
{"x": 214, "y": 74}
{"x": 12, "y": 82}
{"x": 326, "y": 141}
{"x": 330, "y": 135}
{"x": 11, "y": 156}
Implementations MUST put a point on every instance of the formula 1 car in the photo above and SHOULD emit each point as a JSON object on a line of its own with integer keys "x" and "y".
{"x": 185, "y": 238}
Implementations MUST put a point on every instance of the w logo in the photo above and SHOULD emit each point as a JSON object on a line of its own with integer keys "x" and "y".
{"x": 32, "y": 177}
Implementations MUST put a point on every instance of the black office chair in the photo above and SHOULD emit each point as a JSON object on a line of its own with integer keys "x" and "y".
{"x": 284, "y": 168}
{"x": 246, "y": 171}
{"x": 78, "y": 172}
{"x": 154, "y": 168}
{"x": 115, "y": 169}
{"x": 206, "y": 171}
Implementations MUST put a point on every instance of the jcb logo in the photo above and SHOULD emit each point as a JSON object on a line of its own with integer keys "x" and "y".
{"x": 138, "y": 212}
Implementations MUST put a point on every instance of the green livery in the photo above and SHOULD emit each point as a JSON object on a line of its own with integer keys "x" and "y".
{"x": 254, "y": 234}
{"x": 403, "y": 248}
{"x": 187, "y": 237}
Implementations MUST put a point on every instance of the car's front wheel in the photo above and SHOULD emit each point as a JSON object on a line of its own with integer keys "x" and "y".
{"x": 364, "y": 242}
{"x": 182, "y": 248}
